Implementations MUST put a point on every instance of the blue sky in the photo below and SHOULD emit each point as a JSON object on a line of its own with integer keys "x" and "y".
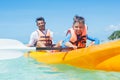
{"x": 17, "y": 17}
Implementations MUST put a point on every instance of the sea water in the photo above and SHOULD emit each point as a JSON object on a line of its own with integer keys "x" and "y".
{"x": 23, "y": 68}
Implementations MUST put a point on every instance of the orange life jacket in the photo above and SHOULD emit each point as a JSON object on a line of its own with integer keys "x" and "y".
{"x": 78, "y": 42}
{"x": 44, "y": 38}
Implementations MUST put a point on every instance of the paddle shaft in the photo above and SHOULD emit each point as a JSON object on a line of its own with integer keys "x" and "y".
{"x": 52, "y": 48}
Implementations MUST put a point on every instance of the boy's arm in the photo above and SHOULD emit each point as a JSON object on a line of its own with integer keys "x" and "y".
{"x": 66, "y": 42}
{"x": 94, "y": 40}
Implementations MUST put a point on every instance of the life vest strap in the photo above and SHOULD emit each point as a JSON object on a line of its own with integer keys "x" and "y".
{"x": 82, "y": 38}
{"x": 44, "y": 36}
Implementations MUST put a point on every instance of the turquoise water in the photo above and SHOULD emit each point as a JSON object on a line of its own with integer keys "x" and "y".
{"x": 28, "y": 69}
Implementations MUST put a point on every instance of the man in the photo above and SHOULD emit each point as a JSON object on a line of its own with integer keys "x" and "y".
{"x": 42, "y": 37}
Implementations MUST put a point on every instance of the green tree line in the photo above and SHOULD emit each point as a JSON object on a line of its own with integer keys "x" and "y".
{"x": 114, "y": 35}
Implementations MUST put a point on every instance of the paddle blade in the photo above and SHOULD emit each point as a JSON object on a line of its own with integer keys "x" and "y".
{"x": 10, "y": 43}
{"x": 10, "y": 48}
{"x": 10, "y": 54}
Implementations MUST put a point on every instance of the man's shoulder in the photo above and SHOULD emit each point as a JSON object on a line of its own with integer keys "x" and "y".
{"x": 34, "y": 32}
{"x": 49, "y": 30}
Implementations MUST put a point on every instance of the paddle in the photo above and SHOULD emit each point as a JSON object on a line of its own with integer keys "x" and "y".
{"x": 10, "y": 48}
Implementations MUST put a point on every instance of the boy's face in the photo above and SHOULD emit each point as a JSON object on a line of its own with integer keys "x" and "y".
{"x": 41, "y": 25}
{"x": 78, "y": 28}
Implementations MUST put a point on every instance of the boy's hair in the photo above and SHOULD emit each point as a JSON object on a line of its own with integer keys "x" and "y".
{"x": 78, "y": 19}
{"x": 40, "y": 19}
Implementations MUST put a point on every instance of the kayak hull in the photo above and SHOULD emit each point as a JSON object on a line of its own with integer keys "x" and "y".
{"x": 90, "y": 57}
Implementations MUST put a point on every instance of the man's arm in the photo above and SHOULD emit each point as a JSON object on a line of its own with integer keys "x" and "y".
{"x": 33, "y": 40}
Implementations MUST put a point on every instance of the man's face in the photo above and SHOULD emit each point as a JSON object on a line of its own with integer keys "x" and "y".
{"x": 78, "y": 28}
{"x": 41, "y": 25}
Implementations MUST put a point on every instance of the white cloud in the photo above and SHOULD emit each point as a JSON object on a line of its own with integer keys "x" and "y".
{"x": 113, "y": 27}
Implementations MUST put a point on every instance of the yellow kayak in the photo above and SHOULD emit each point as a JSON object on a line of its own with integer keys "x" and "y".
{"x": 93, "y": 57}
{"x": 110, "y": 64}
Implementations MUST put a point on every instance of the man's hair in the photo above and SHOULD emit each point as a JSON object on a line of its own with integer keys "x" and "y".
{"x": 78, "y": 19}
{"x": 40, "y": 19}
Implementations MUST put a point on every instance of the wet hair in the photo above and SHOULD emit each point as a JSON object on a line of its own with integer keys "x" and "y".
{"x": 40, "y": 19}
{"x": 78, "y": 19}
